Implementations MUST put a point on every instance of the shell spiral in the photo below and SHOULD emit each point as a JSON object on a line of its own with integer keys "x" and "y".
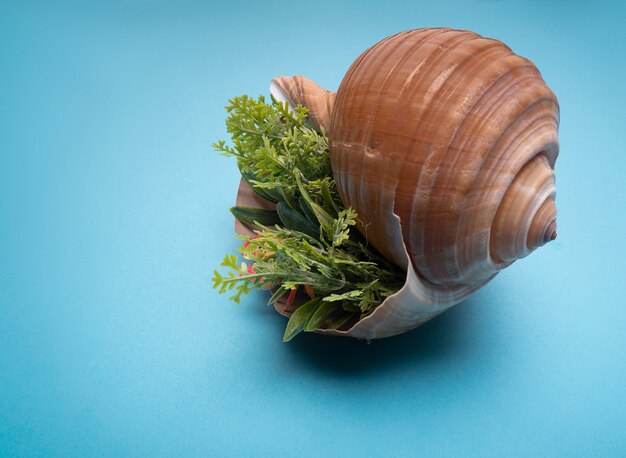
{"x": 456, "y": 134}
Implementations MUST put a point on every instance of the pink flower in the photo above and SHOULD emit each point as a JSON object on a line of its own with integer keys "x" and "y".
{"x": 246, "y": 244}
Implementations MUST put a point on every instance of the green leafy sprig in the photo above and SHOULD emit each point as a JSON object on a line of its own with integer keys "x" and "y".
{"x": 308, "y": 240}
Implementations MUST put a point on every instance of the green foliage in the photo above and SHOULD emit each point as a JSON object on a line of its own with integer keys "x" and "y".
{"x": 312, "y": 243}
{"x": 274, "y": 147}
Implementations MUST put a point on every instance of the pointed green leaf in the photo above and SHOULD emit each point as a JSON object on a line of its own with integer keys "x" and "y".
{"x": 250, "y": 215}
{"x": 249, "y": 177}
{"x": 299, "y": 319}
{"x": 288, "y": 199}
{"x": 328, "y": 198}
{"x": 325, "y": 220}
{"x": 340, "y": 321}
{"x": 279, "y": 292}
{"x": 275, "y": 196}
{"x": 295, "y": 221}
{"x": 323, "y": 312}
{"x": 308, "y": 211}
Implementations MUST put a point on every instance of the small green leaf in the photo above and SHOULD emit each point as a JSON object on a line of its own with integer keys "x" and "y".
{"x": 323, "y": 312}
{"x": 340, "y": 321}
{"x": 279, "y": 292}
{"x": 295, "y": 221}
{"x": 288, "y": 199}
{"x": 348, "y": 295}
{"x": 325, "y": 220}
{"x": 308, "y": 211}
{"x": 274, "y": 195}
{"x": 230, "y": 260}
{"x": 249, "y": 177}
{"x": 251, "y": 216}
{"x": 299, "y": 319}
{"x": 327, "y": 197}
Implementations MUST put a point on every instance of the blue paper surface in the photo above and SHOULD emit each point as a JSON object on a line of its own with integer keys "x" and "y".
{"x": 114, "y": 213}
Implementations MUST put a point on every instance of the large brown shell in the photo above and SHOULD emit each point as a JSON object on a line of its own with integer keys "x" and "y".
{"x": 444, "y": 142}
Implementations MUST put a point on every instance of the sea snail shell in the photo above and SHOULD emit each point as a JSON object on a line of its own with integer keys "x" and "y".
{"x": 444, "y": 142}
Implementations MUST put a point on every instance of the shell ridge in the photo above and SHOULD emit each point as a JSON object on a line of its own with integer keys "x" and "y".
{"x": 422, "y": 201}
{"x": 430, "y": 59}
{"x": 467, "y": 144}
{"x": 388, "y": 180}
{"x": 500, "y": 164}
{"x": 351, "y": 191}
{"x": 414, "y": 225}
{"x": 381, "y": 93}
{"x": 538, "y": 151}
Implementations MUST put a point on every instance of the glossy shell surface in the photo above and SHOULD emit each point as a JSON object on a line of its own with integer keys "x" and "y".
{"x": 445, "y": 143}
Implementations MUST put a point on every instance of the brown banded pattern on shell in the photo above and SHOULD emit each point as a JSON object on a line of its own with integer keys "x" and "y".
{"x": 438, "y": 125}
{"x": 444, "y": 142}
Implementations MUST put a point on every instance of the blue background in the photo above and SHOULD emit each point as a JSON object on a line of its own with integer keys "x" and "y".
{"x": 114, "y": 212}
